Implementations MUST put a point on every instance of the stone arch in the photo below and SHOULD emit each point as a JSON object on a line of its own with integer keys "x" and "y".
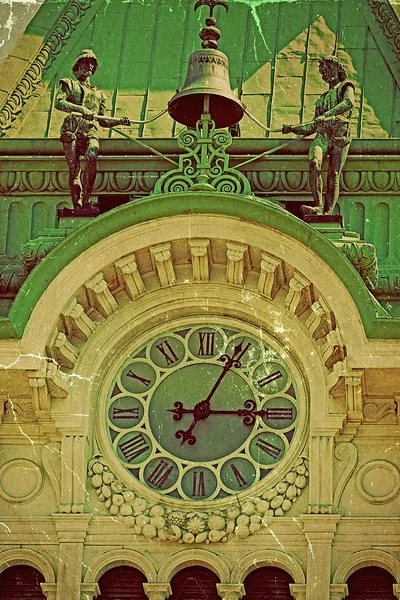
{"x": 117, "y": 558}
{"x": 267, "y": 558}
{"x": 188, "y": 558}
{"x": 125, "y": 225}
{"x": 367, "y": 558}
{"x": 21, "y": 556}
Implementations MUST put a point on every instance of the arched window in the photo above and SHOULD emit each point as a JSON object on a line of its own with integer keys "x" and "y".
{"x": 268, "y": 582}
{"x": 21, "y": 583}
{"x": 122, "y": 583}
{"x": 371, "y": 583}
{"x": 194, "y": 583}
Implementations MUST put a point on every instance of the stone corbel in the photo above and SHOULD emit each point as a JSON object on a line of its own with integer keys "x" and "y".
{"x": 320, "y": 322}
{"x": 49, "y": 590}
{"x": 129, "y": 277}
{"x": 298, "y": 590}
{"x": 199, "y": 250}
{"x": 61, "y": 350}
{"x": 299, "y": 296}
{"x": 230, "y": 591}
{"x": 76, "y": 322}
{"x": 235, "y": 263}
{"x": 333, "y": 351}
{"x": 162, "y": 263}
{"x": 89, "y": 591}
{"x": 40, "y": 395}
{"x": 99, "y": 296}
{"x": 271, "y": 276}
{"x": 157, "y": 591}
{"x": 57, "y": 381}
{"x": 338, "y": 591}
{"x": 354, "y": 402}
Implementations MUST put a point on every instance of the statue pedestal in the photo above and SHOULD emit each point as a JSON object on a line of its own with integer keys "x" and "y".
{"x": 361, "y": 254}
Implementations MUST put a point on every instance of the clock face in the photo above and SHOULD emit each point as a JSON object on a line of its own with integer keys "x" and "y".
{"x": 202, "y": 412}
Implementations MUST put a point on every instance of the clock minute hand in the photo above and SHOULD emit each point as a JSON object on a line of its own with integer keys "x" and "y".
{"x": 231, "y": 361}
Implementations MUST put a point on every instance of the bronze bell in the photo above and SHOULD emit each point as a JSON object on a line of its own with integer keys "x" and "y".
{"x": 208, "y": 73}
{"x": 207, "y": 88}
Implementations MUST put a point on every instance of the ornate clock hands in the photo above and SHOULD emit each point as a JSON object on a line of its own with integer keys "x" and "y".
{"x": 249, "y": 412}
{"x": 202, "y": 409}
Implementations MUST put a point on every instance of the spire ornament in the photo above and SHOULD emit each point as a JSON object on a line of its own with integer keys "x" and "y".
{"x": 210, "y": 34}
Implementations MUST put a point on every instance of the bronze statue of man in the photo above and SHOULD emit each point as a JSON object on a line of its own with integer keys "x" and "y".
{"x": 332, "y": 127}
{"x": 79, "y": 133}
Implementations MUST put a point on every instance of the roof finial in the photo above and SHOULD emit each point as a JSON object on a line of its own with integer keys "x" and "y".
{"x": 210, "y": 34}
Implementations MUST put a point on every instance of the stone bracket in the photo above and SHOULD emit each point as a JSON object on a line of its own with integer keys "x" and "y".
{"x": 299, "y": 297}
{"x": 162, "y": 263}
{"x": 271, "y": 276}
{"x": 199, "y": 250}
{"x": 129, "y": 277}
{"x": 61, "y": 350}
{"x": 99, "y": 296}
{"x": 235, "y": 264}
{"x": 76, "y": 321}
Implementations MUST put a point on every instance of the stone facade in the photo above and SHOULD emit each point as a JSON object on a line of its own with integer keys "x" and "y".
{"x": 80, "y": 295}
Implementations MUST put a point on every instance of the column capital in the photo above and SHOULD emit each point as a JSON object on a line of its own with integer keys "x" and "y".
{"x": 89, "y": 591}
{"x": 396, "y": 590}
{"x": 49, "y": 590}
{"x": 320, "y": 528}
{"x": 230, "y": 591}
{"x": 338, "y": 591}
{"x": 157, "y": 591}
{"x": 71, "y": 528}
{"x": 298, "y": 590}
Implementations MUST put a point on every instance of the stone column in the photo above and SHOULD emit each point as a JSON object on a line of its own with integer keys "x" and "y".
{"x": 298, "y": 590}
{"x": 320, "y": 532}
{"x": 157, "y": 591}
{"x": 338, "y": 591}
{"x": 71, "y": 531}
{"x": 230, "y": 591}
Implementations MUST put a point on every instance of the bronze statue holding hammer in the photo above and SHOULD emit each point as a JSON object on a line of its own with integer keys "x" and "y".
{"x": 332, "y": 127}
{"x": 79, "y": 131}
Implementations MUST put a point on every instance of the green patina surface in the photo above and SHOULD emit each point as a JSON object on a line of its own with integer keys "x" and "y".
{"x": 175, "y": 204}
{"x": 273, "y": 48}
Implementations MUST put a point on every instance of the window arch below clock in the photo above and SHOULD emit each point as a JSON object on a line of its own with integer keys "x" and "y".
{"x": 371, "y": 583}
{"x": 122, "y": 582}
{"x": 268, "y": 580}
{"x": 194, "y": 583}
{"x": 21, "y": 582}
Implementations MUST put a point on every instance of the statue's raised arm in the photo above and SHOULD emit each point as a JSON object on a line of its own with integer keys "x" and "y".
{"x": 331, "y": 125}
{"x": 79, "y": 131}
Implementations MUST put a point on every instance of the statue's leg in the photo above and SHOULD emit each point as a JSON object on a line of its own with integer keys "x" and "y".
{"x": 71, "y": 152}
{"x": 89, "y": 174}
{"x": 316, "y": 157}
{"x": 337, "y": 158}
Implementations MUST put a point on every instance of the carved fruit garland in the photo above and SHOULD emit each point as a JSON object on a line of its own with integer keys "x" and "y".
{"x": 156, "y": 521}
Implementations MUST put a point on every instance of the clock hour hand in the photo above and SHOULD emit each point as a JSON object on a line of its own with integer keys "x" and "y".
{"x": 249, "y": 413}
{"x": 202, "y": 409}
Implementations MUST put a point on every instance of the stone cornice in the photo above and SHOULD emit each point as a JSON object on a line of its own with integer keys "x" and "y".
{"x": 32, "y": 76}
{"x": 388, "y": 22}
